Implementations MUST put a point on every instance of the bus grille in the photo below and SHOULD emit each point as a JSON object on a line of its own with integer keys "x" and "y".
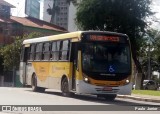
{"x": 102, "y": 90}
{"x": 114, "y": 85}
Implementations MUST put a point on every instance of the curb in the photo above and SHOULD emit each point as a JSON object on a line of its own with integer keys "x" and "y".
{"x": 139, "y": 98}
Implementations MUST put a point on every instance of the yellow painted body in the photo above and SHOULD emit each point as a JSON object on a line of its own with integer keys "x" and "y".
{"x": 52, "y": 69}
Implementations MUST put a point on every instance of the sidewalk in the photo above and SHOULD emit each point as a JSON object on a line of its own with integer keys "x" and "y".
{"x": 147, "y": 98}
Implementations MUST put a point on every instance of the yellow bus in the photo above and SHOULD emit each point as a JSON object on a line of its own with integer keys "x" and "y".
{"x": 82, "y": 62}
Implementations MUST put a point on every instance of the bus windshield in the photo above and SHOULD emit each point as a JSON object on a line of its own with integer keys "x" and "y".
{"x": 108, "y": 58}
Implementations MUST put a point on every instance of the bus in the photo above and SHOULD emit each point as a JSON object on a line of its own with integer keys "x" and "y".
{"x": 82, "y": 62}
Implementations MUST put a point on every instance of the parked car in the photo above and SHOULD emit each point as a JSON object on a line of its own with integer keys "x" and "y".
{"x": 149, "y": 85}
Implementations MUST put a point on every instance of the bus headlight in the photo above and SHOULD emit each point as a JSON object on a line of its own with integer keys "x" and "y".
{"x": 86, "y": 79}
{"x": 127, "y": 81}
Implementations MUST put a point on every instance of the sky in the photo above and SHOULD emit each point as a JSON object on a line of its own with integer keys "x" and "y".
{"x": 20, "y": 7}
{"x": 156, "y": 9}
{"x": 20, "y": 4}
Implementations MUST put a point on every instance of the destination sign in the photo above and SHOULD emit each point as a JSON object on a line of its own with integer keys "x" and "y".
{"x": 105, "y": 38}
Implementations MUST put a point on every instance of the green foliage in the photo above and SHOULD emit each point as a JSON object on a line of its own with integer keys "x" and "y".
{"x": 146, "y": 92}
{"x": 125, "y": 16}
{"x": 152, "y": 39}
{"x": 156, "y": 45}
{"x": 11, "y": 53}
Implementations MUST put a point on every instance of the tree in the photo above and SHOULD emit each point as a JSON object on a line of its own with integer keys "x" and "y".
{"x": 155, "y": 43}
{"x": 11, "y": 53}
{"x": 155, "y": 53}
{"x": 150, "y": 53}
{"x": 125, "y": 16}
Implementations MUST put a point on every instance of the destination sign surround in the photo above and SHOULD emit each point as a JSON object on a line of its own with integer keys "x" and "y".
{"x": 105, "y": 38}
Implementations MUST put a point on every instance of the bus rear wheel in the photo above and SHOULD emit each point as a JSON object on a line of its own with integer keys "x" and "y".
{"x": 65, "y": 88}
{"x": 35, "y": 88}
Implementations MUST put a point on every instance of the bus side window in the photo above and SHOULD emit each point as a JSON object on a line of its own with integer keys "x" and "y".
{"x": 32, "y": 52}
{"x": 65, "y": 50}
{"x": 38, "y": 53}
{"x": 46, "y": 51}
{"x": 55, "y": 50}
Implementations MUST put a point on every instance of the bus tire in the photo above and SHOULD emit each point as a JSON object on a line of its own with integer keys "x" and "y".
{"x": 35, "y": 88}
{"x": 65, "y": 88}
{"x": 34, "y": 83}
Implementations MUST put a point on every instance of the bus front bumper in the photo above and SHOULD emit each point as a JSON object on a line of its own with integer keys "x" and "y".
{"x": 85, "y": 88}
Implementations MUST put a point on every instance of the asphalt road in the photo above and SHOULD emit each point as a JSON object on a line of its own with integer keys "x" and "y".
{"x": 25, "y": 96}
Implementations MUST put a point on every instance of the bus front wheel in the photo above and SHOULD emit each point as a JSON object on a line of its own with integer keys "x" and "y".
{"x": 65, "y": 87}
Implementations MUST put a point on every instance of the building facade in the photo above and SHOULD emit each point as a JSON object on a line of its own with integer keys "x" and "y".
{"x": 58, "y": 10}
{"x": 32, "y": 8}
{"x": 5, "y": 23}
{"x": 64, "y": 16}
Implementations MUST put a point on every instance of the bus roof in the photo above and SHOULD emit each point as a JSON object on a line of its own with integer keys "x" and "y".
{"x": 71, "y": 35}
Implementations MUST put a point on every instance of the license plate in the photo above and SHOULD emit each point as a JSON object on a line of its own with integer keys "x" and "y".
{"x": 107, "y": 88}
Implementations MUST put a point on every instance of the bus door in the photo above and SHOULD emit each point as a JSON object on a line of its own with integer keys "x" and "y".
{"x": 23, "y": 64}
{"x": 74, "y": 55}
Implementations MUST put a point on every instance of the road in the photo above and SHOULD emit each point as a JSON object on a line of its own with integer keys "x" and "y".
{"x": 25, "y": 96}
